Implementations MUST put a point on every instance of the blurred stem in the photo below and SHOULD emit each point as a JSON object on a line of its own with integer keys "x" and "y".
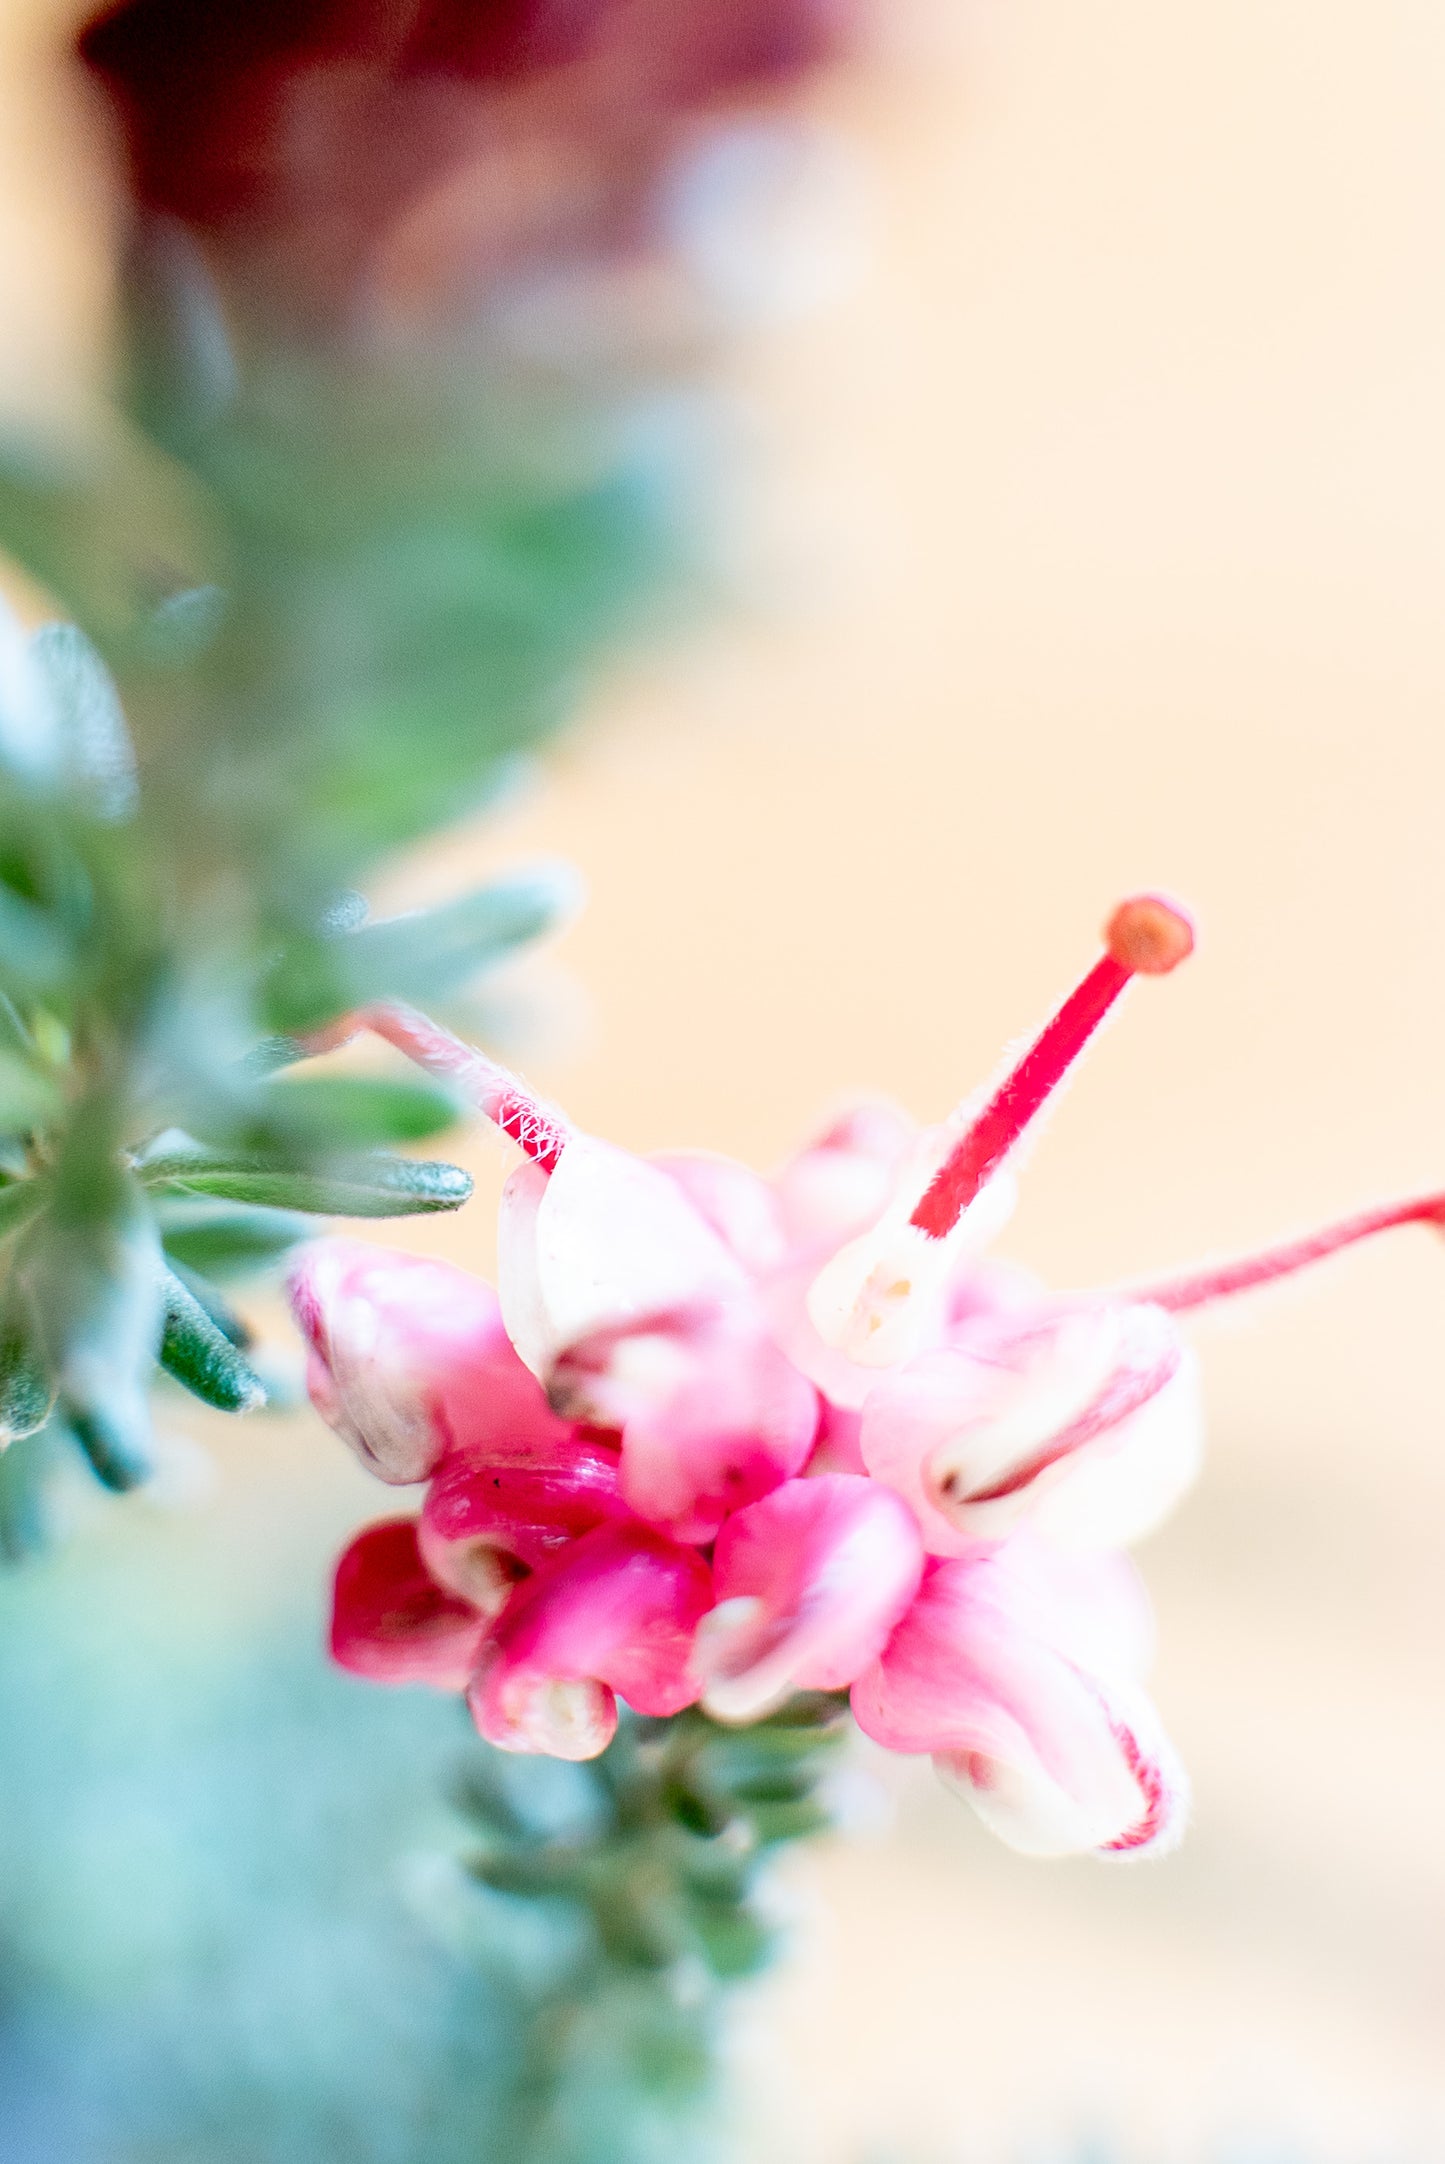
{"x": 654, "y": 1888}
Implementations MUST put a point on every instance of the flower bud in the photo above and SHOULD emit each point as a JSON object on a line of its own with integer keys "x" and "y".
{"x": 405, "y": 1353}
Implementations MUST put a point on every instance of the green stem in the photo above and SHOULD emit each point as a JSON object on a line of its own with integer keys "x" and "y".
{"x": 652, "y": 1881}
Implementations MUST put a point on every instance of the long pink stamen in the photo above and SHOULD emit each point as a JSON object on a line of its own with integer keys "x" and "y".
{"x": 539, "y": 1132}
{"x": 1146, "y": 936}
{"x": 1202, "y": 1286}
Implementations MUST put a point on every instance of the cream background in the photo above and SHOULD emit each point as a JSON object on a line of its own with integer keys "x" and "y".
{"x": 1104, "y": 547}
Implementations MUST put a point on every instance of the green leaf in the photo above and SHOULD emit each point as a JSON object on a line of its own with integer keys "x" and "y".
{"x": 19, "y": 1202}
{"x": 91, "y": 1265}
{"x": 109, "y": 536}
{"x": 201, "y": 1356}
{"x": 23, "y": 1469}
{"x": 28, "y": 1097}
{"x": 35, "y": 954}
{"x": 362, "y": 1187}
{"x": 26, "y": 1390}
{"x": 113, "y": 1448}
{"x": 420, "y": 957}
{"x": 223, "y": 1239}
{"x": 356, "y": 1112}
{"x": 214, "y": 1303}
{"x": 95, "y": 750}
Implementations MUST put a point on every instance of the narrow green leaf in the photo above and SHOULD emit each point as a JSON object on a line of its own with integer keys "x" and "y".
{"x": 214, "y": 1303}
{"x": 96, "y": 756}
{"x": 361, "y": 1187}
{"x": 419, "y": 957}
{"x": 202, "y": 1357}
{"x": 355, "y": 1112}
{"x": 436, "y": 950}
{"x": 223, "y": 1239}
{"x": 114, "y": 1449}
{"x": 26, "y": 1390}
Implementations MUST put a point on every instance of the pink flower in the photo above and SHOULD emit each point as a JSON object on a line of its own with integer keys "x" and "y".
{"x": 633, "y": 1310}
{"x": 910, "y": 1464}
{"x": 390, "y": 1619}
{"x": 1084, "y": 1421}
{"x": 615, "y": 1613}
{"x": 1016, "y": 1670}
{"x": 810, "y": 1583}
{"x": 406, "y": 1355}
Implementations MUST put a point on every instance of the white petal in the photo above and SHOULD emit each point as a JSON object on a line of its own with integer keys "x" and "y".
{"x": 519, "y": 1283}
{"x": 617, "y": 1240}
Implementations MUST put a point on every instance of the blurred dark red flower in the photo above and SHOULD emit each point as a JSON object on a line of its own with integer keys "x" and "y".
{"x": 299, "y": 135}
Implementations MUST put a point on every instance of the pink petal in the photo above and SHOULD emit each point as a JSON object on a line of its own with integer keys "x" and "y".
{"x": 711, "y": 1414}
{"x": 402, "y": 1350}
{"x": 614, "y": 1613}
{"x": 987, "y": 1675}
{"x": 842, "y": 1180}
{"x": 810, "y": 1583}
{"x": 741, "y": 1208}
{"x": 392, "y": 1622}
{"x": 836, "y": 1445}
{"x": 496, "y": 1512}
{"x": 1083, "y": 1421}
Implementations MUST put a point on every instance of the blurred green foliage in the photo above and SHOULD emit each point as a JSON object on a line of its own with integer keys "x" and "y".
{"x": 238, "y": 1925}
{"x": 319, "y": 601}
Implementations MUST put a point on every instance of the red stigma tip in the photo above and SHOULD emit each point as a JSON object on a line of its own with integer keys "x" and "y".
{"x": 1149, "y": 935}
{"x": 1146, "y": 936}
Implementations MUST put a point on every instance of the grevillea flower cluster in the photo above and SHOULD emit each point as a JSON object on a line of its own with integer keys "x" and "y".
{"x": 717, "y": 1438}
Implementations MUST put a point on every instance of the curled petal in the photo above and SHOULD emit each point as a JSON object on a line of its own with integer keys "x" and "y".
{"x": 392, "y": 1622}
{"x": 496, "y": 1512}
{"x": 810, "y": 1583}
{"x": 603, "y": 1241}
{"x": 614, "y": 1614}
{"x": 988, "y": 1674}
{"x": 712, "y": 1414}
{"x": 404, "y": 1352}
{"x": 1086, "y": 1424}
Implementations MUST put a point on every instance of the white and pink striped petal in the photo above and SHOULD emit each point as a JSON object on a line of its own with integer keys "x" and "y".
{"x": 990, "y": 1673}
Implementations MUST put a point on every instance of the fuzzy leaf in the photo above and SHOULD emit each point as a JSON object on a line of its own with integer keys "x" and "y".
{"x": 420, "y": 957}
{"x": 356, "y": 1112}
{"x": 115, "y": 1449}
{"x": 201, "y": 1356}
{"x": 26, "y": 1391}
{"x": 95, "y": 750}
{"x": 224, "y": 1239}
{"x": 361, "y": 1187}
